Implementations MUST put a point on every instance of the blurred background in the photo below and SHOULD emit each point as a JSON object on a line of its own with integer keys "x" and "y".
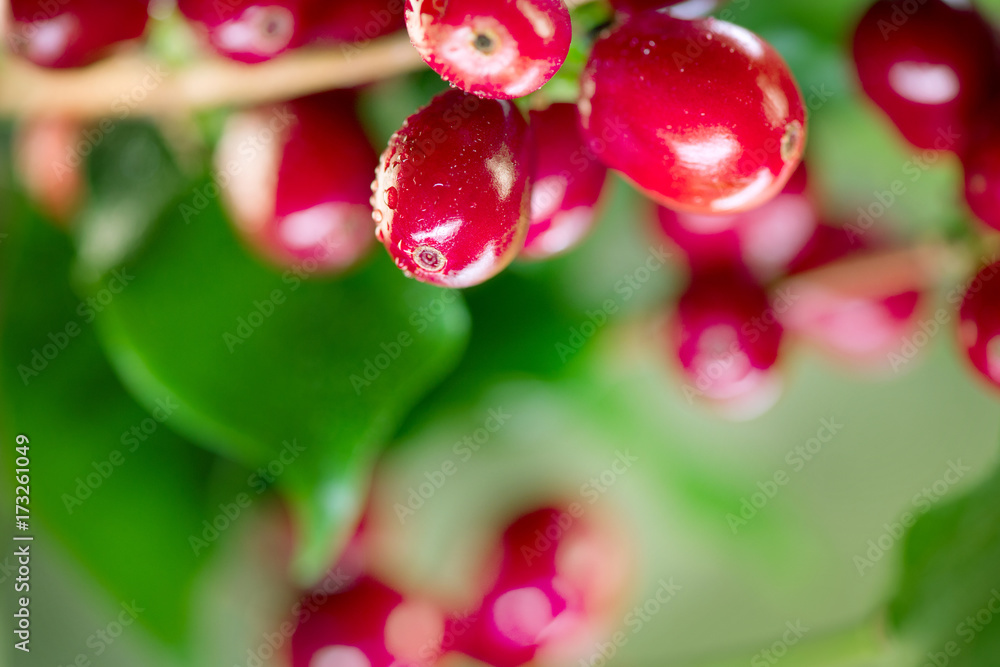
{"x": 187, "y": 487}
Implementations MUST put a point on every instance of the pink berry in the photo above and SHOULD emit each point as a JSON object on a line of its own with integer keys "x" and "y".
{"x": 727, "y": 338}
{"x": 302, "y": 199}
{"x": 703, "y": 115}
{"x": 366, "y": 625}
{"x": 927, "y": 65}
{"x": 451, "y": 192}
{"x": 861, "y": 329}
{"x": 567, "y": 183}
{"x": 979, "y": 326}
{"x": 356, "y": 21}
{"x": 72, "y": 33}
{"x": 491, "y": 48}
{"x": 249, "y": 31}
{"x": 764, "y": 240}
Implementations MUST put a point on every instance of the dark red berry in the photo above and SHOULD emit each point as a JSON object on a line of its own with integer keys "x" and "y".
{"x": 927, "y": 65}
{"x": 567, "y": 183}
{"x": 491, "y": 48}
{"x": 451, "y": 192}
{"x": 366, "y": 625}
{"x": 979, "y": 327}
{"x": 764, "y": 240}
{"x": 727, "y": 337}
{"x": 862, "y": 329}
{"x": 981, "y": 163}
{"x": 72, "y": 33}
{"x": 302, "y": 199}
{"x": 703, "y": 115}
{"x": 249, "y": 31}
{"x": 355, "y": 21}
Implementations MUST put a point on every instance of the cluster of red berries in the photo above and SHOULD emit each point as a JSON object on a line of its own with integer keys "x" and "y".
{"x": 933, "y": 67}
{"x": 540, "y": 591}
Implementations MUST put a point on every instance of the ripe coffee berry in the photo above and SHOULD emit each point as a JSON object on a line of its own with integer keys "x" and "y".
{"x": 981, "y": 163}
{"x": 366, "y": 625}
{"x": 726, "y": 336}
{"x": 979, "y": 327}
{"x": 491, "y": 48}
{"x": 249, "y": 31}
{"x": 764, "y": 240}
{"x": 451, "y": 192}
{"x": 567, "y": 183}
{"x": 72, "y": 33}
{"x": 703, "y": 115}
{"x": 927, "y": 65}
{"x": 299, "y": 191}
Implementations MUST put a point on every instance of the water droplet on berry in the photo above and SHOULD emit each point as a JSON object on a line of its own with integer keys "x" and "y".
{"x": 377, "y": 215}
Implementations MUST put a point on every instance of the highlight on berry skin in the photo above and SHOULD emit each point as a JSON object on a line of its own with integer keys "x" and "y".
{"x": 491, "y": 48}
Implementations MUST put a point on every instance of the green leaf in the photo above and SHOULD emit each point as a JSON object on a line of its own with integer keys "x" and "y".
{"x": 123, "y": 506}
{"x": 948, "y": 602}
{"x": 304, "y": 379}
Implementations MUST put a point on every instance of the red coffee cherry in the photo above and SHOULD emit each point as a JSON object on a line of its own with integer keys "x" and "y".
{"x": 491, "y": 48}
{"x": 864, "y": 330}
{"x": 703, "y": 115}
{"x": 981, "y": 162}
{"x": 979, "y": 323}
{"x": 764, "y": 240}
{"x": 451, "y": 191}
{"x": 72, "y": 33}
{"x": 299, "y": 179}
{"x": 928, "y": 65}
{"x": 249, "y": 31}
{"x": 567, "y": 184}
{"x": 355, "y": 21}
{"x": 366, "y": 625}
{"x": 727, "y": 337}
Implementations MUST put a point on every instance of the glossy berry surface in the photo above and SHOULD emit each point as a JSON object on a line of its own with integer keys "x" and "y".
{"x": 532, "y": 602}
{"x": 567, "y": 184}
{"x": 979, "y": 326}
{"x": 726, "y": 336}
{"x": 451, "y": 193}
{"x": 703, "y": 115}
{"x": 249, "y": 31}
{"x": 981, "y": 163}
{"x": 303, "y": 200}
{"x": 927, "y": 65}
{"x": 763, "y": 240}
{"x": 366, "y": 625}
{"x": 355, "y": 21}
{"x": 491, "y": 48}
{"x": 72, "y": 33}
{"x": 865, "y": 329}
